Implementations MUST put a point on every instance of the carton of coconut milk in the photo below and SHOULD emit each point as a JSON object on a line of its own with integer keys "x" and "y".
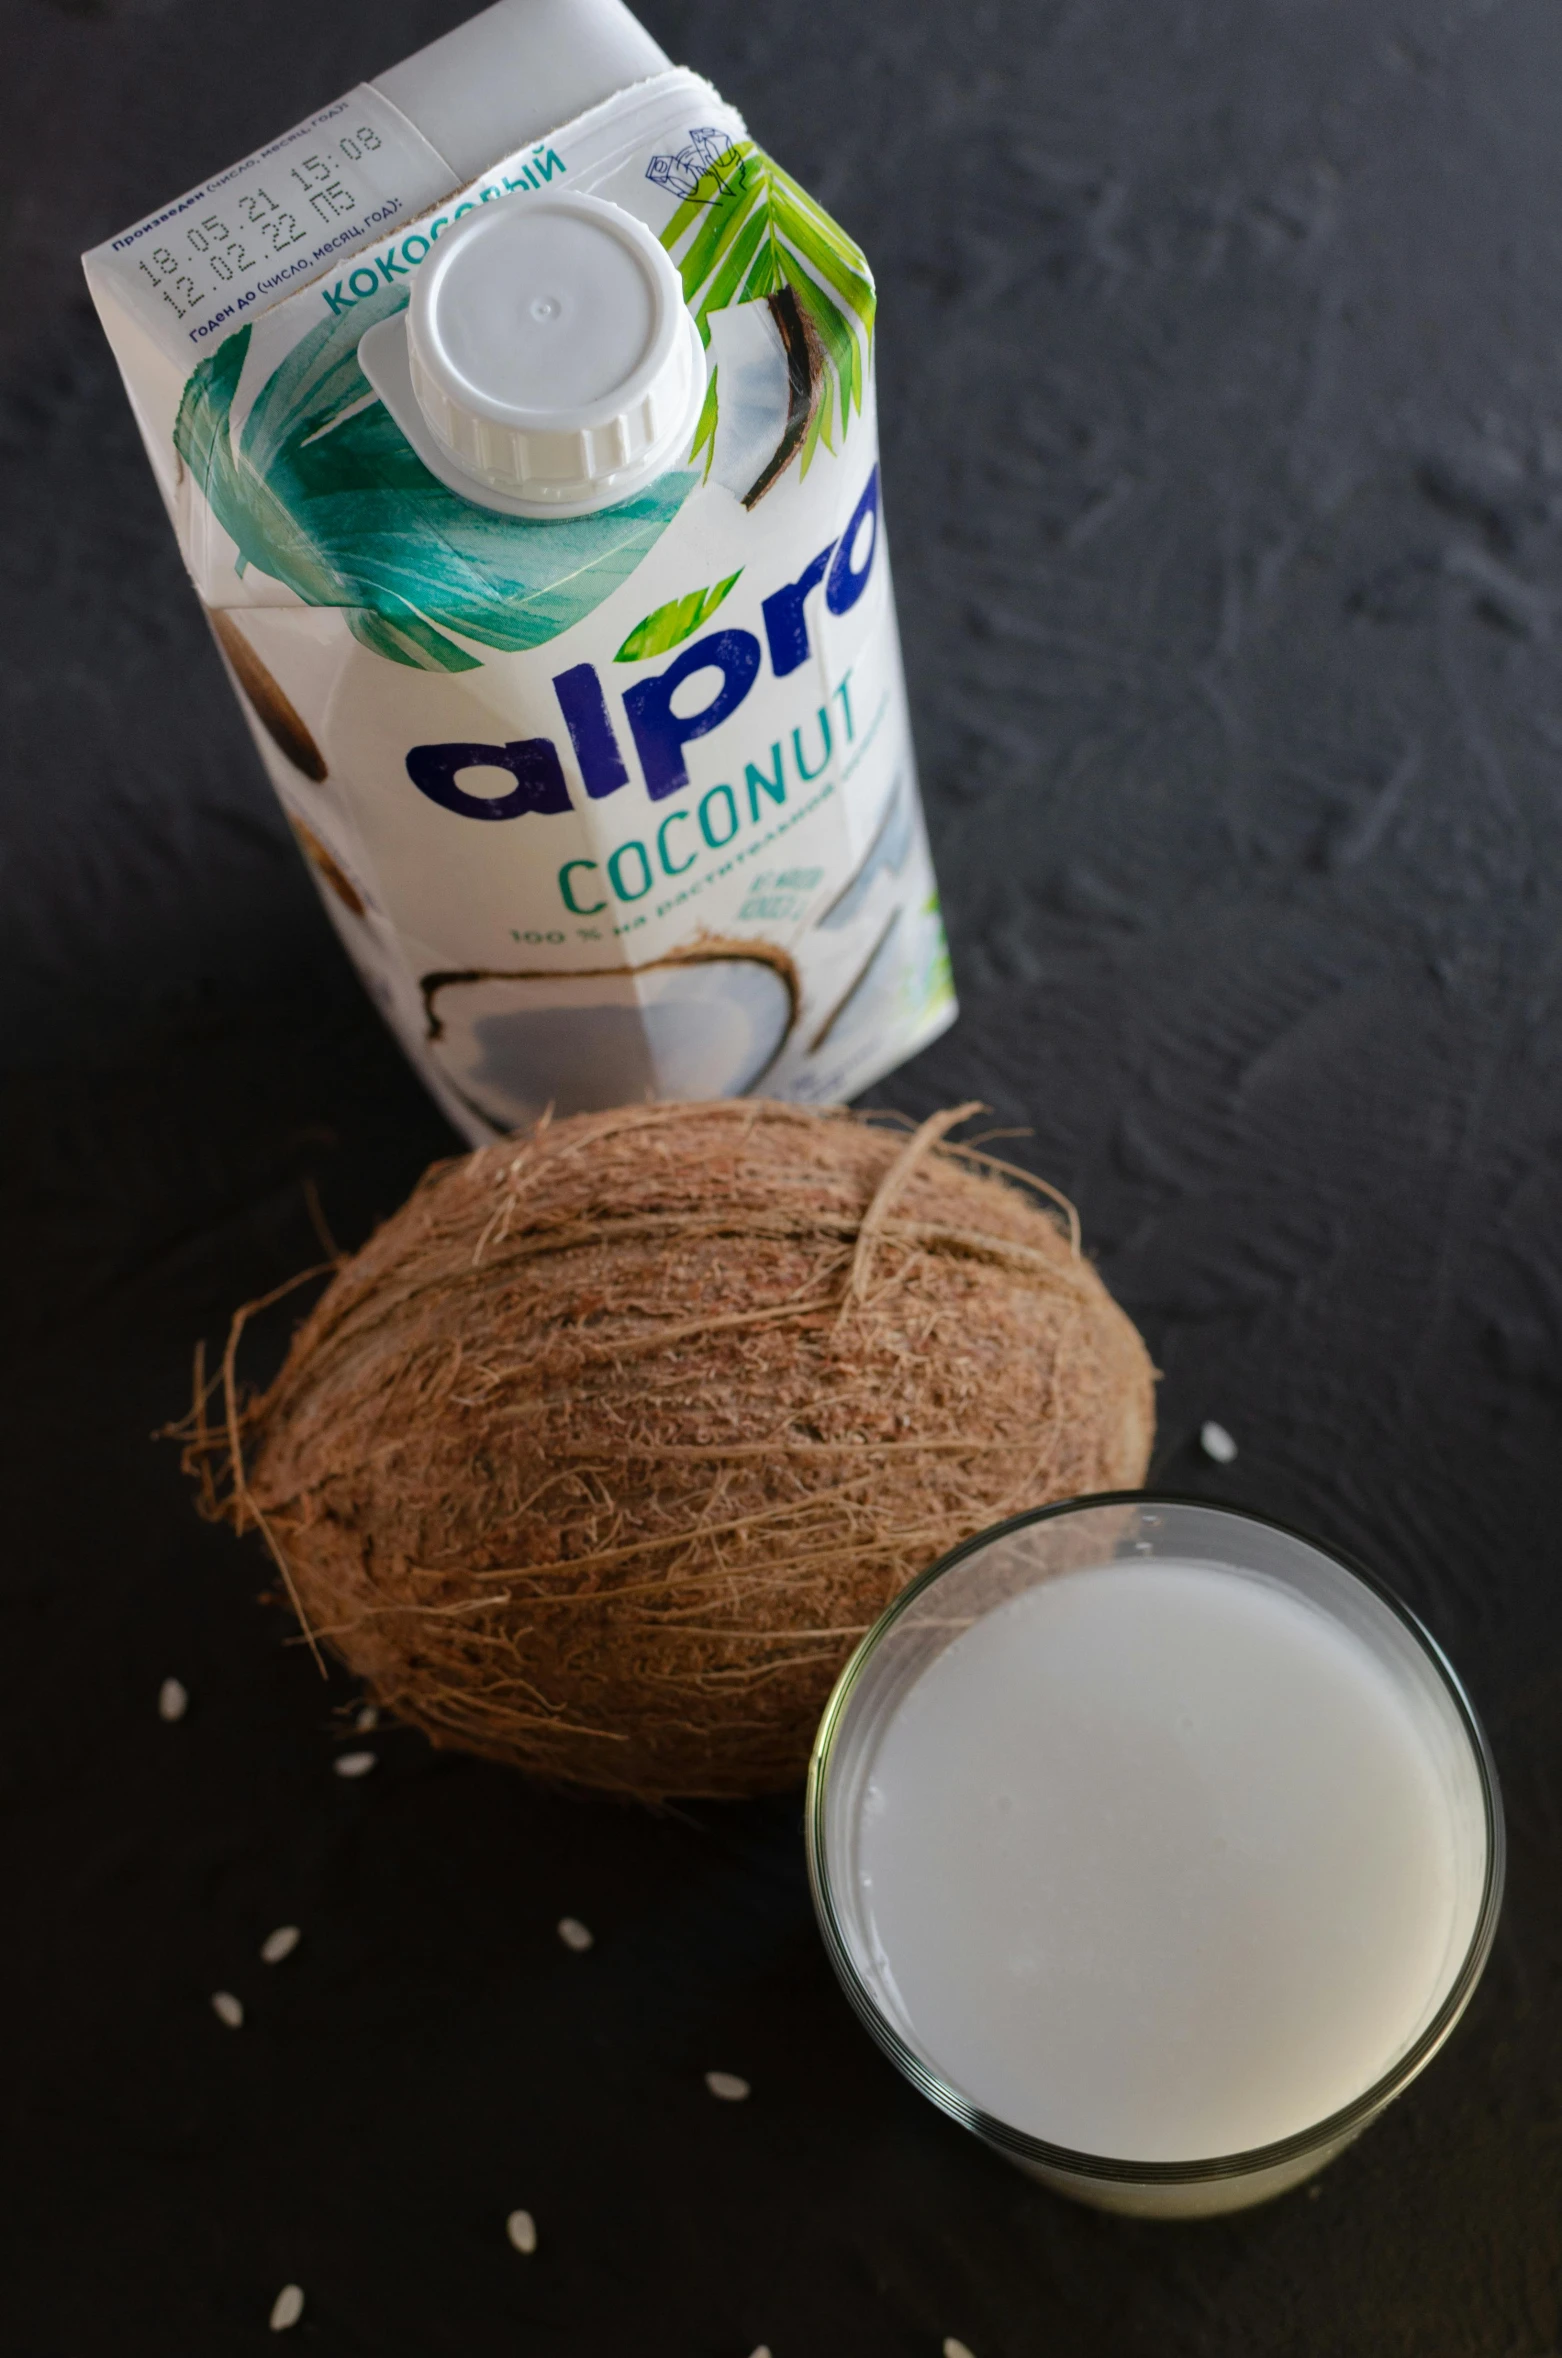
{"x": 515, "y": 414}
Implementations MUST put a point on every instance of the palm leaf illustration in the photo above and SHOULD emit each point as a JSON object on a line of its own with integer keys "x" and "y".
{"x": 678, "y": 620}
{"x": 320, "y": 490}
{"x": 748, "y": 233}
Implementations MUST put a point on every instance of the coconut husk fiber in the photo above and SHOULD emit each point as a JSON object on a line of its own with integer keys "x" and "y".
{"x": 606, "y": 1449}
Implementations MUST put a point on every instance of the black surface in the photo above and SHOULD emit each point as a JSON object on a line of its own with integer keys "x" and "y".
{"x": 1223, "y": 451}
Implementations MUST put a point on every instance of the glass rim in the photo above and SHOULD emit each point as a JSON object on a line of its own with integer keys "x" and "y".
{"x": 1334, "y": 2128}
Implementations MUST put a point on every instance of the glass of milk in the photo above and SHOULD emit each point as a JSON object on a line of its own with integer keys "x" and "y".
{"x": 1157, "y": 1845}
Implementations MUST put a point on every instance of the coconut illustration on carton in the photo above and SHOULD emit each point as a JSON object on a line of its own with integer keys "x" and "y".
{"x": 708, "y": 1020}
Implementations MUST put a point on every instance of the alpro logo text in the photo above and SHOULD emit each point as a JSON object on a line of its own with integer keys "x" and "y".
{"x": 656, "y": 730}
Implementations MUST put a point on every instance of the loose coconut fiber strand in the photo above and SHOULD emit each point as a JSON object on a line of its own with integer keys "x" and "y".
{"x": 605, "y": 1450}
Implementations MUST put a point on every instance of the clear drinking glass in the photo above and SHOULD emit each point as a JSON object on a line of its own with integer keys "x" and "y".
{"x": 1095, "y": 1532}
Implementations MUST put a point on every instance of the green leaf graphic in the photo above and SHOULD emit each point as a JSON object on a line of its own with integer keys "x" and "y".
{"x": 747, "y": 233}
{"x": 322, "y": 491}
{"x": 671, "y": 624}
{"x": 705, "y": 426}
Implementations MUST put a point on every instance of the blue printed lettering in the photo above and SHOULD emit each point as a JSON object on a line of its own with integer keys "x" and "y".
{"x": 661, "y": 734}
{"x": 847, "y": 583}
{"x": 532, "y": 762}
{"x": 786, "y": 624}
{"x": 584, "y": 706}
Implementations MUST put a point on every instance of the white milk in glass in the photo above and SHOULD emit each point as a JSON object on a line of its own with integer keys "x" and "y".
{"x": 1157, "y": 1862}
{"x": 515, "y": 415}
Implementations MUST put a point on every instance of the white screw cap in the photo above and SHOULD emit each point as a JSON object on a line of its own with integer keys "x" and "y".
{"x": 551, "y": 353}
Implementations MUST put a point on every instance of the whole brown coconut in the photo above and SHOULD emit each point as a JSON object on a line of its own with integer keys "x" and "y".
{"x": 606, "y": 1449}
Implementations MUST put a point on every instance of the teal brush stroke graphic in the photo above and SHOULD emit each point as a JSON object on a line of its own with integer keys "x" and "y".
{"x": 324, "y": 492}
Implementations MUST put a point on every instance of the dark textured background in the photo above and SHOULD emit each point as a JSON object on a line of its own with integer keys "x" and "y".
{"x": 1223, "y": 434}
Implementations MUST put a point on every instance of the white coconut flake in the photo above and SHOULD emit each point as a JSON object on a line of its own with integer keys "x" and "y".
{"x": 354, "y": 1764}
{"x": 1217, "y": 1443}
{"x": 287, "y": 2308}
{"x": 279, "y": 1944}
{"x": 368, "y": 1719}
{"x": 173, "y": 1699}
{"x": 521, "y": 2228}
{"x": 727, "y": 2086}
{"x": 228, "y": 2009}
{"x": 575, "y": 1935}
{"x": 712, "y": 1024}
{"x": 954, "y": 2349}
{"x": 747, "y": 349}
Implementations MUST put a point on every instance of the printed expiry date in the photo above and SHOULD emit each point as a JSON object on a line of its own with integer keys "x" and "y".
{"x": 220, "y": 252}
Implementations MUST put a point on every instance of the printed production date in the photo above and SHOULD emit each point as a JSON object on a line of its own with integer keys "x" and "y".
{"x": 260, "y": 225}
